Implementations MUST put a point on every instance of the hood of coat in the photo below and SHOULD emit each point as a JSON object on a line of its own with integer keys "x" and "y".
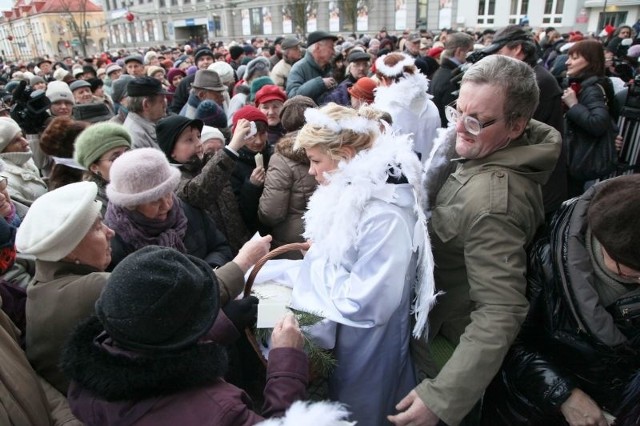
{"x": 533, "y": 155}
{"x": 410, "y": 93}
{"x": 114, "y": 374}
{"x": 284, "y": 147}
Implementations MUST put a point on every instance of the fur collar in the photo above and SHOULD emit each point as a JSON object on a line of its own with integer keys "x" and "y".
{"x": 118, "y": 377}
{"x": 439, "y": 166}
{"x": 321, "y": 413}
{"x": 284, "y": 147}
{"x": 335, "y": 209}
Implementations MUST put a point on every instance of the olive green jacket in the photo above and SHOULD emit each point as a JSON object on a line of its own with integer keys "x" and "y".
{"x": 484, "y": 218}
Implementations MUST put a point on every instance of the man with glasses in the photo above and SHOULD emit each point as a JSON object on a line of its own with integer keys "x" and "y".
{"x": 486, "y": 206}
{"x": 578, "y": 348}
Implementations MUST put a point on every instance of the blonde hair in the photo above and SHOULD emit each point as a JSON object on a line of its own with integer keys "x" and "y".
{"x": 331, "y": 140}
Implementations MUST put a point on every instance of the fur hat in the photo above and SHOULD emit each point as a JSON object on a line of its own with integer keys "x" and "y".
{"x": 150, "y": 56}
{"x": 211, "y": 114}
{"x": 59, "y": 91}
{"x": 98, "y": 139}
{"x": 58, "y": 220}
{"x": 159, "y": 299}
{"x": 59, "y": 137}
{"x": 614, "y": 218}
{"x": 292, "y": 113}
{"x": 9, "y": 129}
{"x": 224, "y": 70}
{"x": 169, "y": 129}
{"x": 140, "y": 176}
{"x": 250, "y": 113}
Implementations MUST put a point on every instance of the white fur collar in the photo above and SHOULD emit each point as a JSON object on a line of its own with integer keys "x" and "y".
{"x": 335, "y": 209}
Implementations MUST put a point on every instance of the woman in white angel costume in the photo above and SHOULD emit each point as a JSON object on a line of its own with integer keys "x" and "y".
{"x": 370, "y": 259}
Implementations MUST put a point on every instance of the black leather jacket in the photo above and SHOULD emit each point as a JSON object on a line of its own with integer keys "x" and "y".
{"x": 566, "y": 340}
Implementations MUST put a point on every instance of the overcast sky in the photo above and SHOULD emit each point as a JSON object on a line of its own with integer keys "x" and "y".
{"x": 6, "y": 4}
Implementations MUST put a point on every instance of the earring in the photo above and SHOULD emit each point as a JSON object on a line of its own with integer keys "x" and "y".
{"x": 77, "y": 261}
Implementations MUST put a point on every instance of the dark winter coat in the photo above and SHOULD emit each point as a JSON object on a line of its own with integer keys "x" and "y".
{"x": 442, "y": 87}
{"x": 569, "y": 340}
{"x": 287, "y": 189}
{"x": 114, "y": 386}
{"x": 248, "y": 194}
{"x": 340, "y": 94}
{"x": 549, "y": 111}
{"x": 202, "y": 240}
{"x": 589, "y": 120}
{"x": 209, "y": 188}
{"x": 305, "y": 78}
{"x": 181, "y": 94}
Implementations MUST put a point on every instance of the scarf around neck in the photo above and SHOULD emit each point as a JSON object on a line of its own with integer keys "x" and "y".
{"x": 138, "y": 231}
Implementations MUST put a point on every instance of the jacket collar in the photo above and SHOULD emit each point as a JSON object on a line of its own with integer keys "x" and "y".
{"x": 118, "y": 374}
{"x": 49, "y": 271}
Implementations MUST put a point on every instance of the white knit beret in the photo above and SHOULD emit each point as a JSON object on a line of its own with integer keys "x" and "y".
{"x": 9, "y": 129}
{"x": 209, "y": 132}
{"x": 140, "y": 176}
{"x": 58, "y": 220}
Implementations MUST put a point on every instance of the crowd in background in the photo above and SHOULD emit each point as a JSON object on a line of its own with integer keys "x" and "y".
{"x": 471, "y": 264}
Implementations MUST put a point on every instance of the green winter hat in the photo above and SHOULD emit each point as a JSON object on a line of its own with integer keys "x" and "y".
{"x": 98, "y": 139}
{"x": 258, "y": 84}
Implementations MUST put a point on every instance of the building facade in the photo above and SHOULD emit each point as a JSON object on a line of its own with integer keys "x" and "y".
{"x": 36, "y": 27}
{"x": 52, "y": 27}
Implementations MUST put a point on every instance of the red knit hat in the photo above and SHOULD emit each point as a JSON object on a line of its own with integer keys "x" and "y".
{"x": 363, "y": 89}
{"x": 250, "y": 113}
{"x": 270, "y": 93}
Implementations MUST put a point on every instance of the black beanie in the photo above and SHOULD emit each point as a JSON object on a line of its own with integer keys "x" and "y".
{"x": 235, "y": 52}
{"x": 158, "y": 299}
{"x": 169, "y": 129}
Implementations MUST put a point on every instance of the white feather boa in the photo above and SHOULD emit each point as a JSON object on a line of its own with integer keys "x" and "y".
{"x": 409, "y": 89}
{"x": 335, "y": 209}
{"x": 322, "y": 413}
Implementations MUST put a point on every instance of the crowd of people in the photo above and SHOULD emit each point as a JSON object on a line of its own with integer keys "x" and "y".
{"x": 467, "y": 264}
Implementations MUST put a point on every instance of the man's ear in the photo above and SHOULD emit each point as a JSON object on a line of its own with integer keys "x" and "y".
{"x": 518, "y": 127}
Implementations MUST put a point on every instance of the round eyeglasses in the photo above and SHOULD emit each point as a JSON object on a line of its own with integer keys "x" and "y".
{"x": 471, "y": 124}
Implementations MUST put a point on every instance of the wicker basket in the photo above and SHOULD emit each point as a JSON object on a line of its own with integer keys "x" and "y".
{"x": 249, "y": 285}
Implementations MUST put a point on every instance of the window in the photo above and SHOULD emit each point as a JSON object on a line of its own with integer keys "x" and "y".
{"x": 256, "y": 20}
{"x": 486, "y": 12}
{"x": 553, "y": 10}
{"x": 519, "y": 9}
{"x": 421, "y": 17}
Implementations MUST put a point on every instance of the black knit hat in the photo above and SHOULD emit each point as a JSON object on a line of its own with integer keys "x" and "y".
{"x": 169, "y": 129}
{"x": 158, "y": 299}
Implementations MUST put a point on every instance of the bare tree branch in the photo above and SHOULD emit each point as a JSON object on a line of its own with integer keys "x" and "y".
{"x": 76, "y": 11}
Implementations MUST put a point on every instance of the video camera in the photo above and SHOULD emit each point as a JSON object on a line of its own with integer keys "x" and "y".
{"x": 29, "y": 108}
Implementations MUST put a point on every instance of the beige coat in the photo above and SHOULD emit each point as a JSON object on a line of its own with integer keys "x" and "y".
{"x": 26, "y": 399}
{"x": 280, "y": 73}
{"x": 287, "y": 189}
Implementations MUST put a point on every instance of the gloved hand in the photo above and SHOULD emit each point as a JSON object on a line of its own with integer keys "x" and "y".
{"x": 243, "y": 312}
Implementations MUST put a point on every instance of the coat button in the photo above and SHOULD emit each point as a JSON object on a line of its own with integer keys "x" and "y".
{"x": 500, "y": 174}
